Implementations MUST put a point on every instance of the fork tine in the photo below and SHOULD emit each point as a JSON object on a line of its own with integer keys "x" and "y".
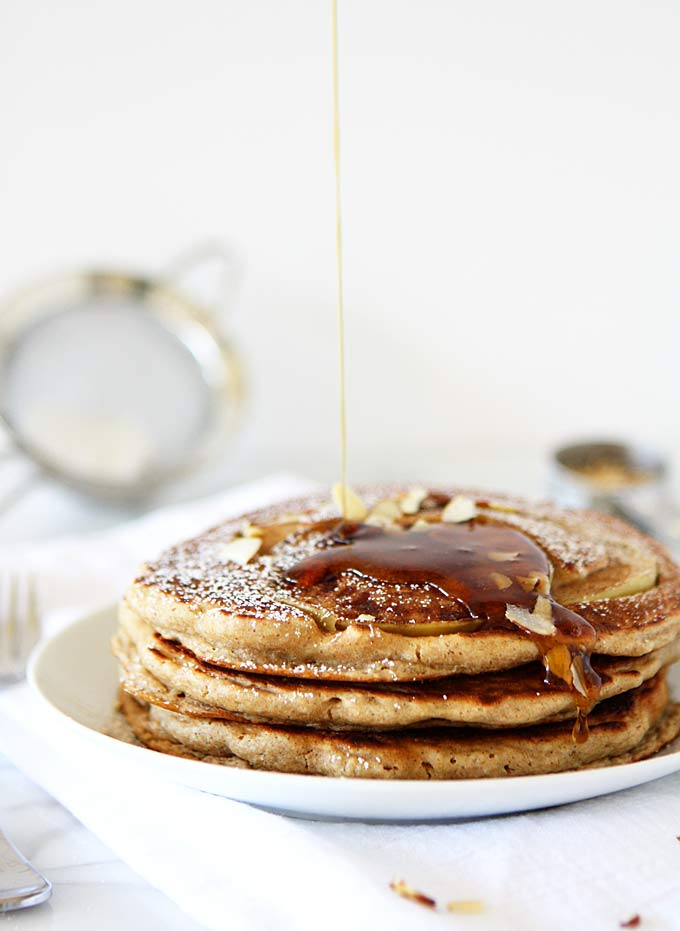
{"x": 19, "y": 623}
{"x": 8, "y": 629}
{"x": 31, "y": 618}
{"x": 11, "y": 623}
{"x": 4, "y": 637}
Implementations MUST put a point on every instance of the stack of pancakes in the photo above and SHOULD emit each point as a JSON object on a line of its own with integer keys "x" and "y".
{"x": 271, "y": 642}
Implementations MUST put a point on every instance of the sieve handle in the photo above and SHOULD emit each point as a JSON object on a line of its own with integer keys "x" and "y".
{"x": 184, "y": 270}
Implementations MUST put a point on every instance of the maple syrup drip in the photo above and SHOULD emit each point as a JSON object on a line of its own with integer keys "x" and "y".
{"x": 580, "y": 731}
{"x": 484, "y": 567}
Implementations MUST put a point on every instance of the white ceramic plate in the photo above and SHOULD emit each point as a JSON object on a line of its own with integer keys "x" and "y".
{"x": 74, "y": 674}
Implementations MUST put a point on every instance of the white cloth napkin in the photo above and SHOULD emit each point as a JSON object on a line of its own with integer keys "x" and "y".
{"x": 229, "y": 866}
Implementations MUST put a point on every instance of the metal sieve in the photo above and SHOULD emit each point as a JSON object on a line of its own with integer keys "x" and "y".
{"x": 116, "y": 383}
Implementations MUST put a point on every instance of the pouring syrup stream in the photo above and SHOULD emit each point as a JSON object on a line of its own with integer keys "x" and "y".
{"x": 338, "y": 258}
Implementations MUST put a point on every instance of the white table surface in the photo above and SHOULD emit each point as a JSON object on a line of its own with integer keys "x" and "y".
{"x": 92, "y": 888}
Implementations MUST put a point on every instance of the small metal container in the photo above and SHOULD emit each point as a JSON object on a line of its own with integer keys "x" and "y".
{"x": 617, "y": 478}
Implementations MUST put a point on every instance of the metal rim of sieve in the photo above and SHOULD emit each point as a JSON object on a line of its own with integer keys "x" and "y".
{"x": 183, "y": 318}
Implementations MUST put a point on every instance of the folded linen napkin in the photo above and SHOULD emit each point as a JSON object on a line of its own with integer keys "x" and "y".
{"x": 592, "y": 864}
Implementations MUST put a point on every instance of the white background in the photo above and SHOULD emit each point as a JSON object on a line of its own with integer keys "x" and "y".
{"x": 512, "y": 205}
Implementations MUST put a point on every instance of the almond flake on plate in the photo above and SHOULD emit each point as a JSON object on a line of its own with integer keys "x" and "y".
{"x": 633, "y": 922}
{"x": 459, "y": 509}
{"x": 408, "y": 892}
{"x": 465, "y": 906}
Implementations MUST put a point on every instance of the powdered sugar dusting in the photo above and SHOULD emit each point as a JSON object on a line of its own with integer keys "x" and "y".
{"x": 194, "y": 572}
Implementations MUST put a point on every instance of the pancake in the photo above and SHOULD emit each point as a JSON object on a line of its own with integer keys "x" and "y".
{"x": 623, "y": 729}
{"x": 248, "y": 616}
{"x": 166, "y": 674}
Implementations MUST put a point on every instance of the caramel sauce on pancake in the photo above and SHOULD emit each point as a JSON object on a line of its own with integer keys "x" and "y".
{"x": 486, "y": 568}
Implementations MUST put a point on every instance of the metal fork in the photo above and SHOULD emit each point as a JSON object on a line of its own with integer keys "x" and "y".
{"x": 20, "y": 884}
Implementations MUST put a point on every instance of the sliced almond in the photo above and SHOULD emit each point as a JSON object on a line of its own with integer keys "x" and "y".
{"x": 577, "y": 676}
{"x": 411, "y": 501}
{"x": 409, "y": 892}
{"x": 459, "y": 509}
{"x": 536, "y": 622}
{"x": 633, "y": 922}
{"x": 502, "y": 556}
{"x": 543, "y": 608}
{"x": 542, "y": 583}
{"x": 501, "y": 581}
{"x": 465, "y": 906}
{"x": 535, "y": 582}
{"x": 240, "y": 550}
{"x": 379, "y": 520}
{"x": 387, "y": 508}
{"x": 349, "y": 503}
